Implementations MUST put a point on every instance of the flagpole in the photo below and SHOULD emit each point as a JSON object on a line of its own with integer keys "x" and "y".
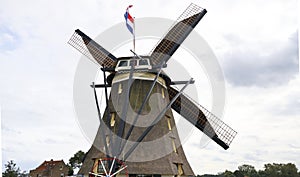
{"x": 134, "y": 35}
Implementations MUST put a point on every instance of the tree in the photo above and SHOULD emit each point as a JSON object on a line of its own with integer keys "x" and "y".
{"x": 280, "y": 170}
{"x": 237, "y": 173}
{"x": 289, "y": 170}
{"x": 227, "y": 174}
{"x": 71, "y": 171}
{"x": 11, "y": 169}
{"x": 262, "y": 173}
{"x": 270, "y": 170}
{"x": 76, "y": 161}
{"x": 247, "y": 170}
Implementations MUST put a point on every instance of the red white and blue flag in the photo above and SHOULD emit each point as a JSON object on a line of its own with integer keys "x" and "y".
{"x": 129, "y": 20}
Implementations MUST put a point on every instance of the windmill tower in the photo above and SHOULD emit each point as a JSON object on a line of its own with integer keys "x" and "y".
{"x": 138, "y": 126}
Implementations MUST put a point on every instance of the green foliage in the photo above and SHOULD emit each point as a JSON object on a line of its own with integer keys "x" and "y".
{"x": 75, "y": 161}
{"x": 248, "y": 170}
{"x": 71, "y": 171}
{"x": 238, "y": 173}
{"x": 280, "y": 170}
{"x": 11, "y": 169}
{"x": 227, "y": 174}
{"x": 270, "y": 170}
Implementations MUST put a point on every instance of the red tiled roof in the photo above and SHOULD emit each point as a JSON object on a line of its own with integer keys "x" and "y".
{"x": 46, "y": 164}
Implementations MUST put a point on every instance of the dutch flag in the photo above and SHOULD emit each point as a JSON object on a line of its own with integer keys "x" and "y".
{"x": 129, "y": 20}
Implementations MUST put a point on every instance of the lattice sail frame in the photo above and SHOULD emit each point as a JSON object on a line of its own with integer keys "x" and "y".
{"x": 92, "y": 50}
{"x": 177, "y": 33}
{"x": 222, "y": 131}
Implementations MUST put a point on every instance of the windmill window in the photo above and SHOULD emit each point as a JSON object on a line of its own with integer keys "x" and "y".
{"x": 169, "y": 124}
{"x": 113, "y": 119}
{"x": 163, "y": 92}
{"x": 95, "y": 166}
{"x": 107, "y": 140}
{"x": 143, "y": 62}
{"x": 174, "y": 145}
{"x": 179, "y": 169}
{"x": 123, "y": 63}
{"x": 120, "y": 88}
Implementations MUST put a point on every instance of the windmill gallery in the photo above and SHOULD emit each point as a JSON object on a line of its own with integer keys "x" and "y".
{"x": 138, "y": 121}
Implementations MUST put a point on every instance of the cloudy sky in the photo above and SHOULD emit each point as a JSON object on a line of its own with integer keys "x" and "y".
{"x": 255, "y": 41}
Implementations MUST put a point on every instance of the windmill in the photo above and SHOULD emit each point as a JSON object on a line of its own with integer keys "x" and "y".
{"x": 138, "y": 109}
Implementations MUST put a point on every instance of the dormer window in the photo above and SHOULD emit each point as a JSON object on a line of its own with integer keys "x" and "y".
{"x": 138, "y": 64}
{"x": 143, "y": 62}
{"x": 123, "y": 63}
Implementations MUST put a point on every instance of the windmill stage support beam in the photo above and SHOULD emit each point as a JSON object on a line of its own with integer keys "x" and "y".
{"x": 180, "y": 82}
{"x": 100, "y": 85}
{"x": 101, "y": 122}
{"x": 105, "y": 81}
{"x": 108, "y": 117}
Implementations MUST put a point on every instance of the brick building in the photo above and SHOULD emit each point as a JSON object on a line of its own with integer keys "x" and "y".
{"x": 52, "y": 168}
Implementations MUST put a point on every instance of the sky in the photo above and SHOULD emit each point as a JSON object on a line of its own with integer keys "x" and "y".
{"x": 255, "y": 42}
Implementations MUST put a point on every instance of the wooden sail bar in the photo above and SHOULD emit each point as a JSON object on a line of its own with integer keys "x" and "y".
{"x": 177, "y": 34}
{"x": 204, "y": 120}
{"x": 88, "y": 47}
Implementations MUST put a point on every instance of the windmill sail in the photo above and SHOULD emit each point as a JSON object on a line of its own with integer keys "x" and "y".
{"x": 177, "y": 34}
{"x": 87, "y": 46}
{"x": 204, "y": 120}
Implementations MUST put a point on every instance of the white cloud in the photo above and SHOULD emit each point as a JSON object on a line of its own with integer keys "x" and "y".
{"x": 261, "y": 63}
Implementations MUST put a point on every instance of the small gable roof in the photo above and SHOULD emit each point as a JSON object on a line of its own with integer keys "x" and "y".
{"x": 48, "y": 164}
